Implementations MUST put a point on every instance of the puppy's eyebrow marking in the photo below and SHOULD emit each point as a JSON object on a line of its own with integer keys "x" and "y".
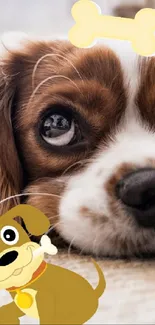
{"x": 50, "y": 78}
{"x": 50, "y": 55}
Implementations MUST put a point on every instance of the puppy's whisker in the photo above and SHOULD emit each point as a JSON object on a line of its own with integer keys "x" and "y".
{"x": 73, "y": 165}
{"x": 52, "y": 55}
{"x": 80, "y": 162}
{"x": 51, "y": 78}
{"x": 69, "y": 61}
{"x": 95, "y": 241}
{"x": 27, "y": 194}
{"x": 53, "y": 217}
{"x": 53, "y": 227}
{"x": 82, "y": 250}
{"x": 30, "y": 235}
{"x": 100, "y": 231}
{"x": 70, "y": 247}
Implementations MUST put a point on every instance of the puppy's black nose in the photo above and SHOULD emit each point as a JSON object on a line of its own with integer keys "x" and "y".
{"x": 137, "y": 193}
{"x": 8, "y": 258}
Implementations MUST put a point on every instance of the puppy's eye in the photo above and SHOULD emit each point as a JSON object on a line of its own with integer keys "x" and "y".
{"x": 9, "y": 235}
{"x": 60, "y": 129}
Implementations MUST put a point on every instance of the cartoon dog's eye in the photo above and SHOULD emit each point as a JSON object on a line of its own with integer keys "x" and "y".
{"x": 9, "y": 235}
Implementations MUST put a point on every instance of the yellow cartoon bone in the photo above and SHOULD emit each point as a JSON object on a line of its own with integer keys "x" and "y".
{"x": 91, "y": 24}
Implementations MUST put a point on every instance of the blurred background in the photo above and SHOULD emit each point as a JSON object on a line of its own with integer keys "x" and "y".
{"x": 52, "y": 18}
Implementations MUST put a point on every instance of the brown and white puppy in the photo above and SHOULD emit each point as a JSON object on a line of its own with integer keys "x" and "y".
{"x": 79, "y": 124}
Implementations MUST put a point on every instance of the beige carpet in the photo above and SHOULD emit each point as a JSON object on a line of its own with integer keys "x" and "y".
{"x": 130, "y": 294}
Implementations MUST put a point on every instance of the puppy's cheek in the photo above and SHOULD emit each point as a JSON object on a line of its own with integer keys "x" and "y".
{"x": 46, "y": 194}
{"x": 79, "y": 225}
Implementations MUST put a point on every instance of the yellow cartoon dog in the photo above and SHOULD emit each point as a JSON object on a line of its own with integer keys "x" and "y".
{"x": 50, "y": 293}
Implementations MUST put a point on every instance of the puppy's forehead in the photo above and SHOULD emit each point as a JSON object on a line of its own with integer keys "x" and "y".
{"x": 111, "y": 65}
{"x": 93, "y": 71}
{"x": 99, "y": 63}
{"x": 138, "y": 74}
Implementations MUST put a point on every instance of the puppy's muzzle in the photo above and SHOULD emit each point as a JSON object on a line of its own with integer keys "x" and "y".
{"x": 136, "y": 192}
{"x": 8, "y": 258}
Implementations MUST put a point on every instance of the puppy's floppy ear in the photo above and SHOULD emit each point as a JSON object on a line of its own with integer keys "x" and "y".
{"x": 36, "y": 222}
{"x": 10, "y": 167}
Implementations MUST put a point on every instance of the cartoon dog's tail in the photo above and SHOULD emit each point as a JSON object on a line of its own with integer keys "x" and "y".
{"x": 102, "y": 283}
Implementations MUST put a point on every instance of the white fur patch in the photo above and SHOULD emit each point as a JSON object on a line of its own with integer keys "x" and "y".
{"x": 132, "y": 143}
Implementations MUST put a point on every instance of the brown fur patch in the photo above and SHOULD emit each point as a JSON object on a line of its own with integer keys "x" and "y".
{"x": 146, "y": 96}
{"x": 110, "y": 186}
{"x": 92, "y": 85}
{"x": 94, "y": 217}
{"x": 48, "y": 203}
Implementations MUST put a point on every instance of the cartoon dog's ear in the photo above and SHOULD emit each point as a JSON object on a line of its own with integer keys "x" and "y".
{"x": 36, "y": 222}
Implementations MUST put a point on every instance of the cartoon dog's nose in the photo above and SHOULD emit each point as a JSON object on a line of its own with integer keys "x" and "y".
{"x": 8, "y": 258}
{"x": 137, "y": 193}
